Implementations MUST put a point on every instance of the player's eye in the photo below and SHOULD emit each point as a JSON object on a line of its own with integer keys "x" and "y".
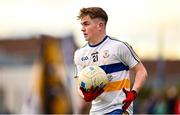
{"x": 85, "y": 24}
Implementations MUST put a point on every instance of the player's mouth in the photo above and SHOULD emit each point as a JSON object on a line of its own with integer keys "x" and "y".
{"x": 85, "y": 35}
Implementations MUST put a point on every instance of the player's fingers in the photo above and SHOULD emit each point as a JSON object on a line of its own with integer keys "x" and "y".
{"x": 102, "y": 85}
{"x": 124, "y": 101}
{"x": 127, "y": 100}
{"x": 96, "y": 89}
{"x": 125, "y": 106}
{"x": 82, "y": 89}
{"x": 101, "y": 91}
{"x": 91, "y": 89}
{"x": 124, "y": 90}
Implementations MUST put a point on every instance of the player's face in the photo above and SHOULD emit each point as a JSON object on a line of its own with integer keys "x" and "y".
{"x": 89, "y": 28}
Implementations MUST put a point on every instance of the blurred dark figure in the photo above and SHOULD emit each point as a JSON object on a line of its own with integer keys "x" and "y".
{"x": 177, "y": 106}
{"x": 172, "y": 100}
{"x": 155, "y": 104}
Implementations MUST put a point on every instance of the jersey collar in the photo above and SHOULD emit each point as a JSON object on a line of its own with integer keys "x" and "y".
{"x": 99, "y": 42}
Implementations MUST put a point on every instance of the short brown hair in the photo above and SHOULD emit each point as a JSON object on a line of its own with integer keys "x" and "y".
{"x": 93, "y": 12}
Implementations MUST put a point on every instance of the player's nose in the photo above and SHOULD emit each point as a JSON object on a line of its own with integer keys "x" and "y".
{"x": 83, "y": 29}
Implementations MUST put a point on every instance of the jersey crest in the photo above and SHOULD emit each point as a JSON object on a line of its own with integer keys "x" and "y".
{"x": 106, "y": 53}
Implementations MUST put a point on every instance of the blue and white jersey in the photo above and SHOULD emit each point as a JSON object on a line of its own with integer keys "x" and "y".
{"x": 115, "y": 58}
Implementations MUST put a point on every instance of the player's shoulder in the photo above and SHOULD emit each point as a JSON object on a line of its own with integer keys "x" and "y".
{"x": 116, "y": 41}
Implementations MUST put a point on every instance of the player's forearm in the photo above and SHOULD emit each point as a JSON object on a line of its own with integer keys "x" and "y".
{"x": 77, "y": 84}
{"x": 140, "y": 78}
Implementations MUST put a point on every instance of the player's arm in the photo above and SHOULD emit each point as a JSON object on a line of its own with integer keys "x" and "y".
{"x": 140, "y": 76}
{"x": 77, "y": 68}
{"x": 130, "y": 58}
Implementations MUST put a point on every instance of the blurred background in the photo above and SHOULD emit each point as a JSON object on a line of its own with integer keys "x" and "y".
{"x": 38, "y": 39}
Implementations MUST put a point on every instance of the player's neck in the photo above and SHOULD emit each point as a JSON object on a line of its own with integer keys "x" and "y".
{"x": 97, "y": 39}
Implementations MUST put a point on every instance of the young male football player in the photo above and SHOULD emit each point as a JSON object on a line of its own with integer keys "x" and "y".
{"x": 115, "y": 57}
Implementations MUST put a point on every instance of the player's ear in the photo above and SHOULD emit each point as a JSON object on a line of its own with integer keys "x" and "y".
{"x": 100, "y": 25}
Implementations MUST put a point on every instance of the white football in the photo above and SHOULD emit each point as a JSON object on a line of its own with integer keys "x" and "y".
{"x": 92, "y": 76}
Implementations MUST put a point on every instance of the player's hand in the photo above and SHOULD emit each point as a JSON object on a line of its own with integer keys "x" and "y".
{"x": 130, "y": 96}
{"x": 92, "y": 93}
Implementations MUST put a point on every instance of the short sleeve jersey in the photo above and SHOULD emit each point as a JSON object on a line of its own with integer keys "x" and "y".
{"x": 114, "y": 57}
